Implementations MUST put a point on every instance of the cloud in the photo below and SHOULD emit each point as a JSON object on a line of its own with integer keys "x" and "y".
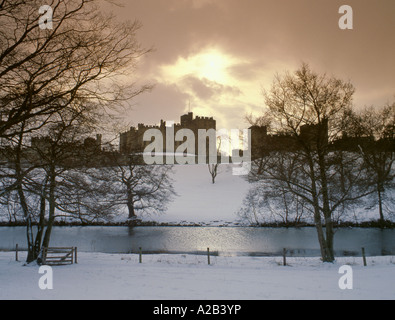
{"x": 257, "y": 39}
{"x": 166, "y": 101}
{"x": 190, "y": 4}
{"x": 206, "y": 89}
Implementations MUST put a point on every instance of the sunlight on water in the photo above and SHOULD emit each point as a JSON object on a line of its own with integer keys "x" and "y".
{"x": 225, "y": 241}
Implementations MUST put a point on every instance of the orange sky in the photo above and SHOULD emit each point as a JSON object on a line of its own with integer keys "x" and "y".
{"x": 213, "y": 57}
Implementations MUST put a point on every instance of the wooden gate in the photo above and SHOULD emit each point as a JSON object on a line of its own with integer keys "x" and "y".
{"x": 59, "y": 255}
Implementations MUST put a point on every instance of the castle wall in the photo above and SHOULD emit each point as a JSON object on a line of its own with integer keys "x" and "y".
{"x": 132, "y": 140}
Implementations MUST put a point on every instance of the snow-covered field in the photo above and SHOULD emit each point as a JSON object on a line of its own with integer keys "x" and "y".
{"x": 198, "y": 200}
{"x": 189, "y": 277}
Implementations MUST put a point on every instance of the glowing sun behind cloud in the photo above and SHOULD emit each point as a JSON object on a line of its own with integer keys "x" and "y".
{"x": 213, "y": 66}
{"x": 210, "y": 64}
{"x": 213, "y": 87}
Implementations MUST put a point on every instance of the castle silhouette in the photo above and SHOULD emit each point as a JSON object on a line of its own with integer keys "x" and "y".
{"x": 132, "y": 141}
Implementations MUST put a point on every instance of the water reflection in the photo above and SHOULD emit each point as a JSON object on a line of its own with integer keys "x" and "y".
{"x": 220, "y": 240}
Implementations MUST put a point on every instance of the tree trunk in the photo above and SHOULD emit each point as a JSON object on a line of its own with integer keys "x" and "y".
{"x": 26, "y": 213}
{"x": 130, "y": 202}
{"x": 31, "y": 252}
{"x": 212, "y": 168}
{"x": 326, "y": 243}
{"x": 320, "y": 234}
{"x": 379, "y": 194}
{"x": 41, "y": 224}
{"x": 317, "y": 217}
{"x": 329, "y": 254}
{"x": 132, "y": 213}
{"x": 51, "y": 201}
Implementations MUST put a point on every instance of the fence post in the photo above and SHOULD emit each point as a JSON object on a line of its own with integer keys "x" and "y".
{"x": 75, "y": 255}
{"x": 44, "y": 255}
{"x": 208, "y": 255}
{"x": 16, "y": 252}
{"x": 140, "y": 255}
{"x": 284, "y": 257}
{"x": 364, "y": 257}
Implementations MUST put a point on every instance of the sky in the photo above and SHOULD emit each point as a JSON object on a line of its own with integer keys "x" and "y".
{"x": 214, "y": 57}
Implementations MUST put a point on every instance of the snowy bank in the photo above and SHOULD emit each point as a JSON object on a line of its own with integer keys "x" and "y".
{"x": 200, "y": 201}
{"x": 180, "y": 277}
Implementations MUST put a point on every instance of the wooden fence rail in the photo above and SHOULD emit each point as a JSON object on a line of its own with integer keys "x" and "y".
{"x": 68, "y": 255}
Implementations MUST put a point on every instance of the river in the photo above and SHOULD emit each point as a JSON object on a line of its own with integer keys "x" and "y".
{"x": 220, "y": 240}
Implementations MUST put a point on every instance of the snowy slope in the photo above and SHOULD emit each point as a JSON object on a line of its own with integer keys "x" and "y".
{"x": 199, "y": 200}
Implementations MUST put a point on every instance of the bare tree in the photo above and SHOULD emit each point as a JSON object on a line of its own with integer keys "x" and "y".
{"x": 306, "y": 108}
{"x": 272, "y": 202}
{"x": 43, "y": 71}
{"x": 213, "y": 169}
{"x": 136, "y": 186}
{"x": 49, "y": 75}
{"x": 41, "y": 172}
{"x": 375, "y": 129}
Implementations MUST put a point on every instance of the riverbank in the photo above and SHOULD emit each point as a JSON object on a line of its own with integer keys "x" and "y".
{"x": 387, "y": 224}
{"x": 100, "y": 276}
{"x": 202, "y": 203}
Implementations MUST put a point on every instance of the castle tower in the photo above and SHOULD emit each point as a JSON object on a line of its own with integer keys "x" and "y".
{"x": 132, "y": 140}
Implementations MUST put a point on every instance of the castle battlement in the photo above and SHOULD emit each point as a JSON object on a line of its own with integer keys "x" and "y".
{"x": 132, "y": 140}
{"x": 204, "y": 118}
{"x": 142, "y": 126}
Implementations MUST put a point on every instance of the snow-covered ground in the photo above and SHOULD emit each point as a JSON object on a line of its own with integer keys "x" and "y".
{"x": 189, "y": 277}
{"x": 198, "y": 200}
{"x": 180, "y": 276}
